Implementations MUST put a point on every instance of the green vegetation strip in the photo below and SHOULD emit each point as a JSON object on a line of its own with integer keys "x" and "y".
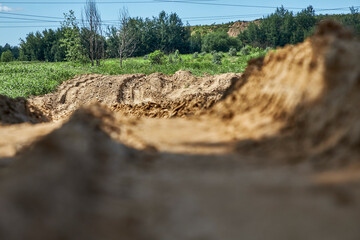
{"x": 23, "y": 79}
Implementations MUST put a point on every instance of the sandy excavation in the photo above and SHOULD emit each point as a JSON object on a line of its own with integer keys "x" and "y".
{"x": 269, "y": 154}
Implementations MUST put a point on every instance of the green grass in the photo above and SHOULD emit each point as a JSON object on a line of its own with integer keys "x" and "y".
{"x": 23, "y": 79}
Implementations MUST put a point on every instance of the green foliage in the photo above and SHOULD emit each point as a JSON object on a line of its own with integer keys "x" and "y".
{"x": 22, "y": 56}
{"x": 218, "y": 41}
{"x": 45, "y": 46}
{"x": 280, "y": 28}
{"x": 22, "y": 79}
{"x": 195, "y": 42}
{"x": 206, "y": 29}
{"x": 232, "y": 52}
{"x": 268, "y": 49}
{"x": 7, "y": 56}
{"x": 71, "y": 40}
{"x": 177, "y": 55}
{"x": 166, "y": 32}
{"x": 217, "y": 58}
{"x": 195, "y": 55}
{"x": 171, "y": 60}
{"x": 157, "y": 57}
{"x": 15, "y": 51}
{"x": 353, "y": 20}
{"x": 245, "y": 50}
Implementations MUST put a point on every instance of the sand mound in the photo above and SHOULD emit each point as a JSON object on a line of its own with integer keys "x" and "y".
{"x": 69, "y": 176}
{"x": 162, "y": 95}
{"x": 18, "y": 110}
{"x": 95, "y": 188}
{"x": 240, "y": 26}
{"x": 309, "y": 92}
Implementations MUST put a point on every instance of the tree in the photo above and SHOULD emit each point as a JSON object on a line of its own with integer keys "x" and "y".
{"x": 92, "y": 23}
{"x": 71, "y": 40}
{"x": 195, "y": 42}
{"x": 126, "y": 36}
{"x": 14, "y": 50}
{"x": 353, "y": 19}
{"x": 7, "y": 56}
{"x": 219, "y": 41}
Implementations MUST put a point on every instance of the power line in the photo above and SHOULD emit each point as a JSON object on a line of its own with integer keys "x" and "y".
{"x": 39, "y": 20}
{"x": 30, "y": 15}
{"x": 61, "y": 3}
{"x": 198, "y": 2}
{"x": 29, "y": 26}
{"x": 155, "y": 2}
{"x": 116, "y": 20}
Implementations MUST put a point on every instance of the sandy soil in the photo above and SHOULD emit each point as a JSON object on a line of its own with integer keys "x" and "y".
{"x": 237, "y": 27}
{"x": 270, "y": 154}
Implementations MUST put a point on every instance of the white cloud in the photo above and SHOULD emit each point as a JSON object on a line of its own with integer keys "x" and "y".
{"x": 5, "y": 8}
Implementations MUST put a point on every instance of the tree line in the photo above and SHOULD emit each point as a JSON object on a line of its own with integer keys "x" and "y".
{"x": 90, "y": 41}
{"x": 284, "y": 27}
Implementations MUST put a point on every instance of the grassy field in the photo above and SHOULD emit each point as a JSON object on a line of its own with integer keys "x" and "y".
{"x": 22, "y": 79}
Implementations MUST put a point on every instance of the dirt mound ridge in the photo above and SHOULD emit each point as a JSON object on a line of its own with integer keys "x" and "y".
{"x": 134, "y": 91}
{"x": 80, "y": 184}
{"x": 240, "y": 26}
{"x": 308, "y": 92}
{"x": 18, "y": 110}
{"x": 68, "y": 176}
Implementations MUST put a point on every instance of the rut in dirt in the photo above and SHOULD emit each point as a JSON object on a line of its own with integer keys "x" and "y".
{"x": 156, "y": 95}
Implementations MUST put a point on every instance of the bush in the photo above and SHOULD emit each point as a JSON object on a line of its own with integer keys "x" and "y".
{"x": 195, "y": 55}
{"x": 157, "y": 57}
{"x": 245, "y": 50}
{"x": 202, "y": 54}
{"x": 146, "y": 57}
{"x": 7, "y": 56}
{"x": 217, "y": 58}
{"x": 177, "y": 55}
{"x": 219, "y": 41}
{"x": 170, "y": 60}
{"x": 232, "y": 52}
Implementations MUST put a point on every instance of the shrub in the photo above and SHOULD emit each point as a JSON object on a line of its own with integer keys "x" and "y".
{"x": 171, "y": 60}
{"x": 202, "y": 54}
{"x": 217, "y": 58}
{"x": 232, "y": 52}
{"x": 156, "y": 57}
{"x": 245, "y": 50}
{"x": 177, "y": 55}
{"x": 7, "y": 56}
{"x": 219, "y": 41}
{"x": 195, "y": 55}
{"x": 213, "y": 52}
{"x": 146, "y": 57}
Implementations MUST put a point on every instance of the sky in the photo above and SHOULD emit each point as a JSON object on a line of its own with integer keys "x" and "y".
{"x": 20, "y": 17}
